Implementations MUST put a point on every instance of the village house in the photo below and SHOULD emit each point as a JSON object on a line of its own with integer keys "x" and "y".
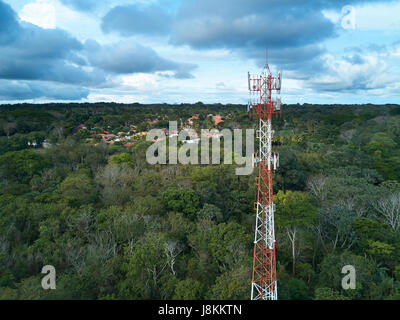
{"x": 129, "y": 144}
{"x": 217, "y": 119}
{"x": 151, "y": 122}
{"x": 190, "y": 120}
{"x": 108, "y": 138}
{"x": 46, "y": 144}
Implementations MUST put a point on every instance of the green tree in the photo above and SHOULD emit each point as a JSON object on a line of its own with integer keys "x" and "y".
{"x": 290, "y": 174}
{"x": 144, "y": 268}
{"x": 334, "y": 228}
{"x": 80, "y": 188}
{"x": 21, "y": 166}
{"x": 189, "y": 289}
{"x": 382, "y": 142}
{"x": 232, "y": 284}
{"x": 210, "y": 212}
{"x": 181, "y": 200}
{"x": 298, "y": 290}
{"x": 117, "y": 183}
{"x": 122, "y": 158}
{"x": 295, "y": 211}
{"x": 330, "y": 275}
{"x": 324, "y": 293}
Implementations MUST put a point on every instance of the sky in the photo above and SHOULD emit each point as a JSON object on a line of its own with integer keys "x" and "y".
{"x": 185, "y": 51}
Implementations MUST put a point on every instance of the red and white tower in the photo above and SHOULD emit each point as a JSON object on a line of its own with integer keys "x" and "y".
{"x": 261, "y": 107}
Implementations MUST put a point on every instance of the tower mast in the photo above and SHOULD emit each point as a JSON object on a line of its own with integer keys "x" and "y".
{"x": 261, "y": 107}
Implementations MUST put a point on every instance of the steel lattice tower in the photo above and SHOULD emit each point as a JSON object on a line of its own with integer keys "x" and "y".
{"x": 261, "y": 107}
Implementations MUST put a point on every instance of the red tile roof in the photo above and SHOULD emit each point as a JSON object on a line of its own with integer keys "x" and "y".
{"x": 130, "y": 144}
{"x": 217, "y": 119}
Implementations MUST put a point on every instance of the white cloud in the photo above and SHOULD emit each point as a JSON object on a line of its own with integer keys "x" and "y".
{"x": 41, "y": 13}
{"x": 141, "y": 81}
{"x": 392, "y": 52}
{"x": 343, "y": 74}
{"x": 371, "y": 16}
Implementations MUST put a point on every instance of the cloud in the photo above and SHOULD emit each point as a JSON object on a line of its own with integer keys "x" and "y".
{"x": 9, "y": 26}
{"x": 367, "y": 70}
{"x": 44, "y": 54}
{"x": 34, "y": 53}
{"x": 240, "y": 23}
{"x": 28, "y": 90}
{"x": 135, "y": 19}
{"x": 129, "y": 57}
{"x": 342, "y": 75}
{"x": 354, "y": 59}
{"x": 293, "y": 30}
{"x": 299, "y": 62}
{"x": 41, "y": 13}
{"x": 83, "y": 5}
{"x": 38, "y": 57}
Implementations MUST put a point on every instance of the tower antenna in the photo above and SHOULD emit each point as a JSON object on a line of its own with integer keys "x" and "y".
{"x": 262, "y": 106}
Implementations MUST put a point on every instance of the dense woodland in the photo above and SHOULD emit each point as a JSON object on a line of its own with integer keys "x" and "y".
{"x": 116, "y": 227}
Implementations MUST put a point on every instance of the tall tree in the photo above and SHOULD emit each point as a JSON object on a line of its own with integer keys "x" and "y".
{"x": 295, "y": 211}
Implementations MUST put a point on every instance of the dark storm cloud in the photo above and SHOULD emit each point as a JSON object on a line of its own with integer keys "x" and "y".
{"x": 288, "y": 58}
{"x": 227, "y": 23}
{"x": 34, "y": 53}
{"x": 132, "y": 19}
{"x": 39, "y": 55}
{"x": 293, "y": 30}
{"x": 129, "y": 57}
{"x": 255, "y": 23}
{"x": 25, "y": 90}
{"x": 299, "y": 63}
{"x": 240, "y": 23}
{"x": 9, "y": 26}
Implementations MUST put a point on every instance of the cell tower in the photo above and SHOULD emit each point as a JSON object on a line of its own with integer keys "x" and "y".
{"x": 261, "y": 107}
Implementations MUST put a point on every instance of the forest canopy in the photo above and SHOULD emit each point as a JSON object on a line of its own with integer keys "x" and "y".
{"x": 77, "y": 193}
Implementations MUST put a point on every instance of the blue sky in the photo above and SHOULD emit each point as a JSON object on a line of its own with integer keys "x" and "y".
{"x": 178, "y": 51}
